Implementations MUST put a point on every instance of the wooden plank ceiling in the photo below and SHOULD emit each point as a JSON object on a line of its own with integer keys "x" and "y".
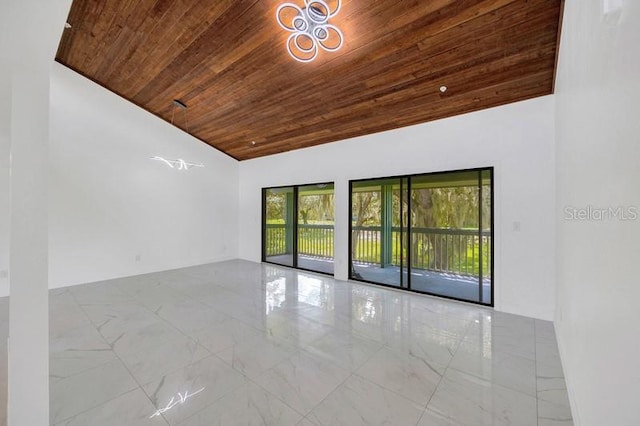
{"x": 227, "y": 61}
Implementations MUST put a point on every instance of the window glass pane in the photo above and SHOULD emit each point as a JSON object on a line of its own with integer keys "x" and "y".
{"x": 376, "y": 237}
{"x": 446, "y": 243}
{"x": 315, "y": 227}
{"x": 279, "y": 205}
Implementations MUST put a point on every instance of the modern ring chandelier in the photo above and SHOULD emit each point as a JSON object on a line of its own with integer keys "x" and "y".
{"x": 310, "y": 28}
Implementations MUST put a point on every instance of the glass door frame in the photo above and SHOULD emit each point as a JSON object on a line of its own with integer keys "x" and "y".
{"x": 294, "y": 226}
{"x": 405, "y": 261}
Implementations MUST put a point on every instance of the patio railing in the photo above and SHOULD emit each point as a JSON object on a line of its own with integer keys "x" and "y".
{"x": 275, "y": 240}
{"x": 315, "y": 240}
{"x": 455, "y": 251}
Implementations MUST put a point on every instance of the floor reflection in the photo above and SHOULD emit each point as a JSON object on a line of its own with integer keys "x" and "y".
{"x": 246, "y": 343}
{"x": 4, "y": 357}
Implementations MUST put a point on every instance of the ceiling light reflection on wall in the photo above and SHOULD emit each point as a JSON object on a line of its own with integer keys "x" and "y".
{"x": 310, "y": 28}
{"x": 178, "y": 164}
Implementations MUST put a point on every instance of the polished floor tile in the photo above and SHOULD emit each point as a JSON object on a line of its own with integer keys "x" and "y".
{"x": 69, "y": 315}
{"x": 433, "y": 346}
{"x": 254, "y": 357}
{"x": 131, "y": 409}
{"x": 99, "y": 293}
{"x": 303, "y": 381}
{"x": 408, "y": 375}
{"x": 155, "y": 350}
{"x": 550, "y": 413}
{"x": 89, "y": 389}
{"x": 189, "y": 316}
{"x": 469, "y": 400}
{"x": 296, "y": 330}
{"x": 248, "y": 405}
{"x": 182, "y": 393}
{"x": 113, "y": 321}
{"x": 4, "y": 335}
{"x": 242, "y": 343}
{"x": 225, "y": 334}
{"x": 511, "y": 371}
{"x": 429, "y": 418}
{"x": 344, "y": 349}
{"x": 360, "y": 402}
{"x": 77, "y": 350}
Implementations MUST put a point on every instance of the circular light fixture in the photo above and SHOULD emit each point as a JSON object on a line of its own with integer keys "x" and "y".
{"x": 310, "y": 28}
{"x": 443, "y": 89}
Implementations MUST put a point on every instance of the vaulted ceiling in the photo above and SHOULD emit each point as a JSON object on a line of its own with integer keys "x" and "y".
{"x": 227, "y": 61}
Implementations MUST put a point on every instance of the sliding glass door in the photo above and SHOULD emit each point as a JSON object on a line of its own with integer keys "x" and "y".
{"x": 378, "y": 215}
{"x": 315, "y": 227}
{"x": 430, "y": 233}
{"x": 279, "y": 215}
{"x": 451, "y": 235}
{"x": 298, "y": 224}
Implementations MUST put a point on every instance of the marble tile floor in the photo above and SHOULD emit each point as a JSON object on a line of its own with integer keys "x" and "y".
{"x": 4, "y": 335}
{"x": 242, "y": 343}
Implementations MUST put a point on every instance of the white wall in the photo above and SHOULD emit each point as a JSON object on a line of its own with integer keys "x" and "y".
{"x": 517, "y": 139}
{"x": 109, "y": 202}
{"x": 30, "y": 30}
{"x": 5, "y": 150}
{"x": 598, "y": 165}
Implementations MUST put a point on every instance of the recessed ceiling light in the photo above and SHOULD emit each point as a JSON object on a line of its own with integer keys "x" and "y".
{"x": 252, "y": 143}
{"x": 67, "y": 25}
{"x": 443, "y": 89}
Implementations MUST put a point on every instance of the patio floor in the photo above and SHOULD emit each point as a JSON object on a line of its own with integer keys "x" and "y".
{"x": 438, "y": 283}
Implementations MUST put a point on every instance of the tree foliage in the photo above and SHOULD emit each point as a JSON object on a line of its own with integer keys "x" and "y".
{"x": 316, "y": 208}
{"x": 276, "y": 205}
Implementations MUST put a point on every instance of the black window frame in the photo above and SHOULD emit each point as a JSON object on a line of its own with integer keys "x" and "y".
{"x": 480, "y": 171}
{"x": 295, "y": 227}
